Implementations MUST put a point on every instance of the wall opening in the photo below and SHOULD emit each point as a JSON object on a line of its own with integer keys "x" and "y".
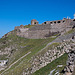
{"x": 44, "y": 22}
{"x": 50, "y": 22}
{"x": 59, "y": 22}
{"x": 72, "y": 37}
{"x": 55, "y": 22}
{"x": 34, "y": 22}
{"x": 73, "y": 27}
{"x": 74, "y": 20}
{"x": 63, "y": 21}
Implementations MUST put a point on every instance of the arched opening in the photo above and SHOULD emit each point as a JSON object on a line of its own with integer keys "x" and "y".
{"x": 73, "y": 27}
{"x": 44, "y": 22}
{"x": 50, "y": 22}
{"x": 72, "y": 37}
{"x": 34, "y": 22}
{"x": 63, "y": 21}
{"x": 55, "y": 22}
{"x": 59, "y": 22}
{"x": 74, "y": 20}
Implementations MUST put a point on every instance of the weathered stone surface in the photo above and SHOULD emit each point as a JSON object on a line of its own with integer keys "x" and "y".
{"x": 45, "y": 30}
{"x": 42, "y": 60}
{"x": 71, "y": 59}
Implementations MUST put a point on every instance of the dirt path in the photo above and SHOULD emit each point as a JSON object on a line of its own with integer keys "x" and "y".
{"x": 15, "y": 62}
{"x": 60, "y": 39}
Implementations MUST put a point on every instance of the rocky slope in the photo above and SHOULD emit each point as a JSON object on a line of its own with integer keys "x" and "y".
{"x": 50, "y": 55}
{"x": 26, "y": 56}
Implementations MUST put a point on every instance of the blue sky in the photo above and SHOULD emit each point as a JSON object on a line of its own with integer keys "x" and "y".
{"x": 16, "y": 12}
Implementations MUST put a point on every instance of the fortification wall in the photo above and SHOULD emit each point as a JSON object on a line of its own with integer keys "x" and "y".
{"x": 36, "y": 34}
{"x": 40, "y": 27}
{"x": 45, "y": 30}
{"x": 40, "y": 31}
{"x": 23, "y": 32}
{"x": 23, "y": 29}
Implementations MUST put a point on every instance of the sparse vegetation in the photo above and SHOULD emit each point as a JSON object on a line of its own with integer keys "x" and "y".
{"x": 28, "y": 26}
{"x": 22, "y": 46}
{"x": 46, "y": 70}
{"x": 70, "y": 31}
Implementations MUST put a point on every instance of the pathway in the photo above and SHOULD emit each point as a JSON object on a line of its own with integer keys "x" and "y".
{"x": 16, "y": 62}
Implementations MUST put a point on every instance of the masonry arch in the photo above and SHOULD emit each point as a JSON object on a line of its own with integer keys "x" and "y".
{"x": 54, "y": 22}
{"x": 44, "y": 22}
{"x": 74, "y": 20}
{"x": 58, "y": 21}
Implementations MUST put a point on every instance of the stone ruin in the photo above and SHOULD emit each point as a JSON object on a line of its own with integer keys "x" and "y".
{"x": 34, "y": 22}
{"x": 3, "y": 64}
{"x": 46, "y": 29}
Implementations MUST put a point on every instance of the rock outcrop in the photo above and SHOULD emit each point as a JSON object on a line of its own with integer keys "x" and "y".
{"x": 43, "y": 59}
{"x": 71, "y": 60}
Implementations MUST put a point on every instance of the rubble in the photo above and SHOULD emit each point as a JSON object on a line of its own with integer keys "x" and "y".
{"x": 42, "y": 60}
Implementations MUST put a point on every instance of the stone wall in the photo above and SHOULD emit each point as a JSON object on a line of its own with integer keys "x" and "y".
{"x": 23, "y": 32}
{"x": 40, "y": 31}
{"x": 34, "y": 22}
{"x": 38, "y": 34}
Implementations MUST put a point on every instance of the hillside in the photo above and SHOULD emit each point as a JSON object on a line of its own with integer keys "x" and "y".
{"x": 14, "y": 47}
{"x": 53, "y": 66}
{"x": 25, "y": 56}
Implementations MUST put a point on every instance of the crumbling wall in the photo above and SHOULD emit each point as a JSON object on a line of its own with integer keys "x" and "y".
{"x": 38, "y": 34}
{"x": 23, "y": 32}
{"x": 41, "y": 31}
